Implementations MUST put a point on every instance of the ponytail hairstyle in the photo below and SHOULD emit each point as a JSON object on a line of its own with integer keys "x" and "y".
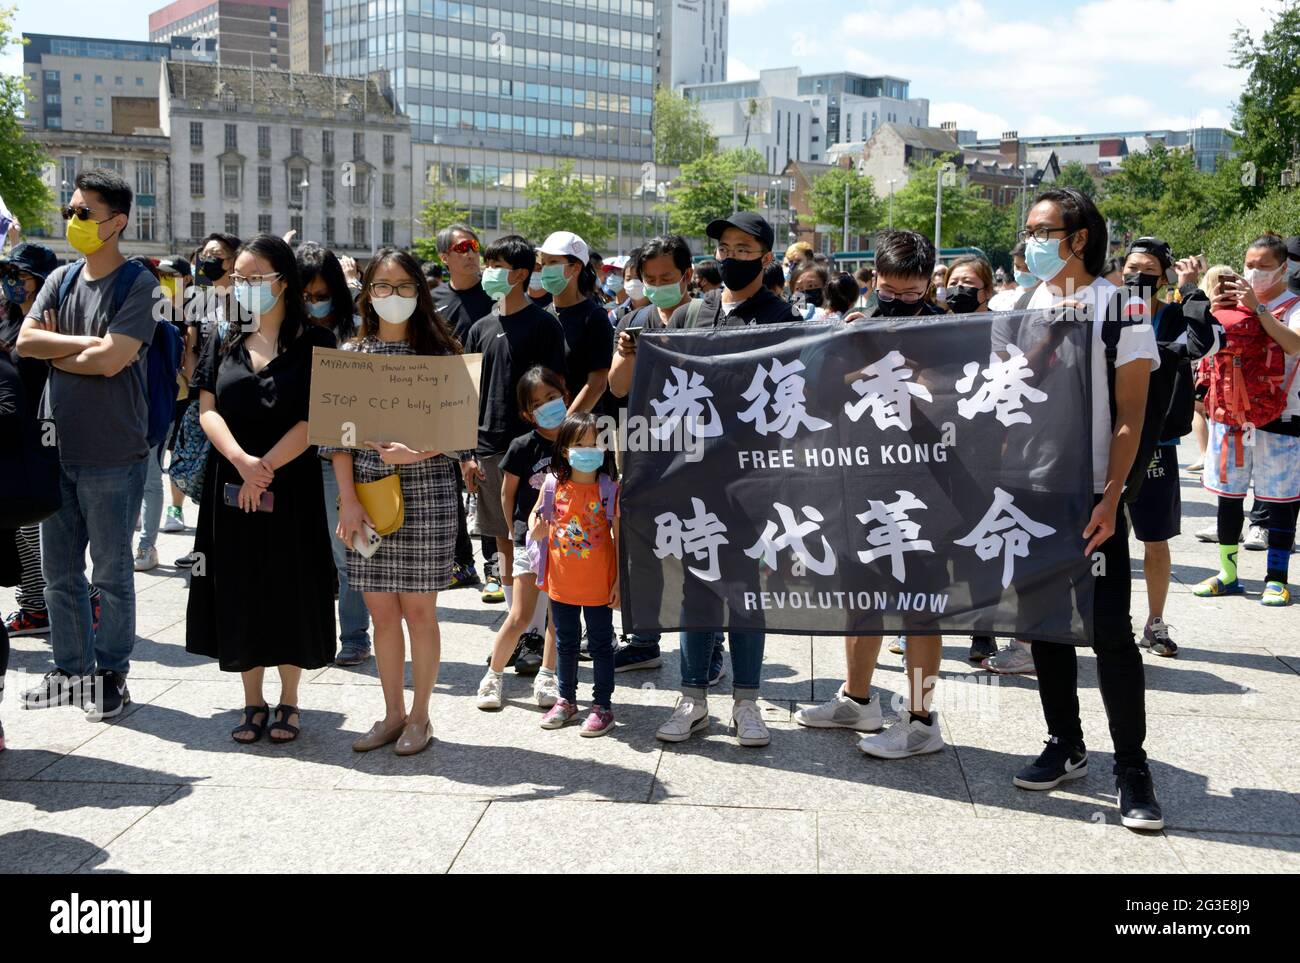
{"x": 574, "y": 427}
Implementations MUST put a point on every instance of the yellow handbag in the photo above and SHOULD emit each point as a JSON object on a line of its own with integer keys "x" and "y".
{"x": 383, "y": 502}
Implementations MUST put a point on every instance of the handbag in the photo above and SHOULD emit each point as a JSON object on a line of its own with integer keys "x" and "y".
{"x": 189, "y": 458}
{"x": 383, "y": 502}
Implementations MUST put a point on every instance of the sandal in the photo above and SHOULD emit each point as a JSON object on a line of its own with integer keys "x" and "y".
{"x": 1214, "y": 587}
{"x": 251, "y": 713}
{"x": 282, "y": 714}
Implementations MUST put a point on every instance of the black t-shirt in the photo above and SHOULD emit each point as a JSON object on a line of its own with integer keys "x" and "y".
{"x": 543, "y": 300}
{"x": 588, "y": 342}
{"x": 763, "y": 307}
{"x": 528, "y": 458}
{"x": 461, "y": 309}
{"x": 510, "y": 345}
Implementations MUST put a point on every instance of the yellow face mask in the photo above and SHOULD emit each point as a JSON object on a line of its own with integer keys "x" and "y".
{"x": 84, "y": 235}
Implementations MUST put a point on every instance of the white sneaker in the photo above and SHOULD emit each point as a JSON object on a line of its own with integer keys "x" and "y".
{"x": 841, "y": 712}
{"x": 1209, "y": 534}
{"x": 898, "y": 644}
{"x": 492, "y": 691}
{"x": 173, "y": 521}
{"x": 1256, "y": 539}
{"x": 546, "y": 689}
{"x": 690, "y": 716}
{"x": 1016, "y": 659}
{"x": 145, "y": 559}
{"x": 747, "y": 722}
{"x": 906, "y": 737}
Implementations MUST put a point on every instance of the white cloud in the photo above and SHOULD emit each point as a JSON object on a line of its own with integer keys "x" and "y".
{"x": 737, "y": 69}
{"x": 800, "y": 47}
{"x": 743, "y": 8}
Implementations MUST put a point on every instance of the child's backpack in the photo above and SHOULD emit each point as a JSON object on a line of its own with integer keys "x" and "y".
{"x": 538, "y": 551}
{"x": 1248, "y": 382}
{"x": 164, "y": 356}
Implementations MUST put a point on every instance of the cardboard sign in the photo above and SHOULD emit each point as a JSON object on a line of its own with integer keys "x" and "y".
{"x": 428, "y": 403}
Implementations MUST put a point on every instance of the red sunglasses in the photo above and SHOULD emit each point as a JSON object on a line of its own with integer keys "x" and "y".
{"x": 465, "y": 246}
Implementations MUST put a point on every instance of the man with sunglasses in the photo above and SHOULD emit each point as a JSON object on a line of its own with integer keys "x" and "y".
{"x": 95, "y": 338}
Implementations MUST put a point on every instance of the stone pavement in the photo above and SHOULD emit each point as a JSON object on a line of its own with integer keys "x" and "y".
{"x": 166, "y": 789}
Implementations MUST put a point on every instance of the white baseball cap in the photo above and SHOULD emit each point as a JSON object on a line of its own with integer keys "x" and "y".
{"x": 566, "y": 243}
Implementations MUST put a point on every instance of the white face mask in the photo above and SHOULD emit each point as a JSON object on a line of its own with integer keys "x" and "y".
{"x": 1262, "y": 280}
{"x": 634, "y": 289}
{"x": 394, "y": 309}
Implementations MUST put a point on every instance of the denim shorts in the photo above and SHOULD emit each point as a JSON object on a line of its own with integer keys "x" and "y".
{"x": 1272, "y": 465}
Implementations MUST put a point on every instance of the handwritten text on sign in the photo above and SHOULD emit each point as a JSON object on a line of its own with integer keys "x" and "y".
{"x": 427, "y": 403}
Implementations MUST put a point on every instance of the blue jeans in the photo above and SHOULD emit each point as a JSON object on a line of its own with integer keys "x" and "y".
{"x": 153, "y": 501}
{"x": 354, "y": 618}
{"x": 100, "y": 506}
{"x": 746, "y": 662}
{"x": 600, "y": 646}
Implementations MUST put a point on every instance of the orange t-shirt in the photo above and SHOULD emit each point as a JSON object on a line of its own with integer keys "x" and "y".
{"x": 582, "y": 565}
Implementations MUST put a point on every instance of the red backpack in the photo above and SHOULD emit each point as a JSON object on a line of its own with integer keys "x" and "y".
{"x": 1248, "y": 383}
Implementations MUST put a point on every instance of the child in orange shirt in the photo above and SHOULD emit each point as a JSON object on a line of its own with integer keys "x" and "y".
{"x": 574, "y": 529}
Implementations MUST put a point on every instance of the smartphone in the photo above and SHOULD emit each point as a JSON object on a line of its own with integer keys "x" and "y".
{"x": 366, "y": 542}
{"x": 634, "y": 331}
{"x": 265, "y": 504}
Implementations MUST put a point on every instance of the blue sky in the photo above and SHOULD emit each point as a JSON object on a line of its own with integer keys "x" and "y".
{"x": 1055, "y": 66}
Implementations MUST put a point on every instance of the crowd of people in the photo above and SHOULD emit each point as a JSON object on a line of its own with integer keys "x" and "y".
{"x": 284, "y": 527}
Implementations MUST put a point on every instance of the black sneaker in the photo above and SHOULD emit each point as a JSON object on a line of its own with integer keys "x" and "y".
{"x": 529, "y": 654}
{"x": 187, "y": 561}
{"x": 57, "y": 688}
{"x": 1138, "y": 807}
{"x": 1058, "y": 763}
{"x": 637, "y": 655}
{"x": 981, "y": 647}
{"x": 106, "y": 695}
{"x": 514, "y": 656}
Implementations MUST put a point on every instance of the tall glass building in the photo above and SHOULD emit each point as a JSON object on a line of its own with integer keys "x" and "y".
{"x": 499, "y": 89}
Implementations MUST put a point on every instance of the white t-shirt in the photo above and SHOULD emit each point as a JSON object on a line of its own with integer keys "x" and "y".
{"x": 1292, "y": 320}
{"x": 1006, "y": 300}
{"x": 1137, "y": 342}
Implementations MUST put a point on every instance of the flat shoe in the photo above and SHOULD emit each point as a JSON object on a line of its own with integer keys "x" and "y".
{"x": 378, "y": 736}
{"x": 415, "y": 738}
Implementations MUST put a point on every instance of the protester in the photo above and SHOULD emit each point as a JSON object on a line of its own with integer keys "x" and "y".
{"x": 633, "y": 290}
{"x": 708, "y": 276}
{"x": 536, "y": 292}
{"x": 1187, "y": 331}
{"x": 1257, "y": 302}
{"x": 809, "y": 286}
{"x": 970, "y": 285}
{"x": 612, "y": 279}
{"x": 1114, "y": 271}
{"x": 514, "y": 337}
{"x": 1006, "y": 300}
{"x": 433, "y": 272}
{"x": 938, "y": 282}
{"x": 543, "y": 400}
{"x": 842, "y": 293}
{"x": 401, "y": 580}
{"x": 1201, "y": 427}
{"x": 329, "y": 304}
{"x": 95, "y": 339}
{"x": 575, "y": 522}
{"x": 904, "y": 272}
{"x": 255, "y": 593}
{"x": 774, "y": 279}
{"x": 1066, "y": 241}
{"x": 866, "y": 282}
{"x": 588, "y": 337}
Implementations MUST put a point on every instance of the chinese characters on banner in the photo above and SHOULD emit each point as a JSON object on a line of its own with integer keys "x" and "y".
{"x": 917, "y": 476}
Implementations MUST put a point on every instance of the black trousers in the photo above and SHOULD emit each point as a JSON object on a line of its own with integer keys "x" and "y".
{"x": 1120, "y": 673}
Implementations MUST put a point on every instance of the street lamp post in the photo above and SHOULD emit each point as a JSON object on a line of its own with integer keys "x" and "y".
{"x": 846, "y": 216}
{"x": 891, "y": 203}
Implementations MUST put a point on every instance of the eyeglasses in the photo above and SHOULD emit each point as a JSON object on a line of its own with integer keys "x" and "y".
{"x": 465, "y": 247}
{"x": 910, "y": 297}
{"x": 82, "y": 214}
{"x": 317, "y": 298}
{"x": 382, "y": 289}
{"x": 744, "y": 253}
{"x": 254, "y": 278}
{"x": 1042, "y": 233}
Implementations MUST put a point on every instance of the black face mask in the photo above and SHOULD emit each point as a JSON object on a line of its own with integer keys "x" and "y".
{"x": 897, "y": 308}
{"x": 738, "y": 275}
{"x": 813, "y": 297}
{"x": 211, "y": 268}
{"x": 1147, "y": 284}
{"x": 963, "y": 299}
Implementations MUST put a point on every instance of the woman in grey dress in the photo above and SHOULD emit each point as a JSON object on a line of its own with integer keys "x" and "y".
{"x": 402, "y": 579}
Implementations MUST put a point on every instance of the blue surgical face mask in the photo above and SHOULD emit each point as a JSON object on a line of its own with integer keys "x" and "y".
{"x": 255, "y": 298}
{"x": 1044, "y": 258}
{"x": 15, "y": 290}
{"x": 1025, "y": 280}
{"x": 320, "y": 310}
{"x": 550, "y": 415}
{"x": 586, "y": 459}
{"x": 614, "y": 285}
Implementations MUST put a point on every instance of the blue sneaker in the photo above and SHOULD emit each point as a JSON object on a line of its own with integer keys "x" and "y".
{"x": 637, "y": 654}
{"x": 717, "y": 661}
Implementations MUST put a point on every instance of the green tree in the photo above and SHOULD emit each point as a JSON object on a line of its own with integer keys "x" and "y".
{"x": 681, "y": 133}
{"x": 21, "y": 157}
{"x": 558, "y": 200}
{"x": 1075, "y": 174}
{"x": 964, "y": 205}
{"x": 1226, "y": 243}
{"x": 1268, "y": 113}
{"x": 826, "y": 200}
{"x": 436, "y": 214}
{"x": 706, "y": 187}
{"x": 995, "y": 233}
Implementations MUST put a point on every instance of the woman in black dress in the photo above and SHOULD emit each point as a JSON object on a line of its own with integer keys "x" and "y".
{"x": 260, "y": 587}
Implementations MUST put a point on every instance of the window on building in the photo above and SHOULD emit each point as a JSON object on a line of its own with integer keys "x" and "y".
{"x": 197, "y": 228}
{"x": 146, "y": 222}
{"x": 264, "y": 141}
{"x": 264, "y": 183}
{"x": 139, "y": 81}
{"x": 295, "y": 140}
{"x": 295, "y": 223}
{"x": 359, "y": 191}
{"x": 358, "y": 232}
{"x": 390, "y": 151}
{"x": 296, "y": 177}
{"x": 358, "y": 146}
{"x": 145, "y": 177}
{"x": 196, "y": 133}
{"x": 232, "y": 223}
{"x": 51, "y": 76}
{"x": 230, "y": 180}
{"x": 76, "y": 101}
{"x": 99, "y": 101}
{"x": 264, "y": 224}
{"x": 232, "y": 137}
{"x": 387, "y": 233}
{"x": 327, "y": 184}
{"x": 99, "y": 78}
{"x": 196, "y": 180}
{"x": 327, "y": 144}
{"x": 390, "y": 190}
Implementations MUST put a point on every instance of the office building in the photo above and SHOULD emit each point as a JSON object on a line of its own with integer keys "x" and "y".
{"x": 307, "y": 36}
{"x": 267, "y": 151}
{"x": 691, "y": 42}
{"x": 82, "y": 83}
{"x": 1102, "y": 153}
{"x": 789, "y": 116}
{"x": 248, "y": 33}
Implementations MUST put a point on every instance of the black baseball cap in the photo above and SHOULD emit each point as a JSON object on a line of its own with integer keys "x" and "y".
{"x": 175, "y": 265}
{"x": 752, "y": 224}
{"x": 35, "y": 259}
{"x": 1293, "y": 248}
{"x": 1156, "y": 248}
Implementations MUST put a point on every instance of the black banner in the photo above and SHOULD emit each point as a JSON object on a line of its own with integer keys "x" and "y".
{"x": 910, "y": 476}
